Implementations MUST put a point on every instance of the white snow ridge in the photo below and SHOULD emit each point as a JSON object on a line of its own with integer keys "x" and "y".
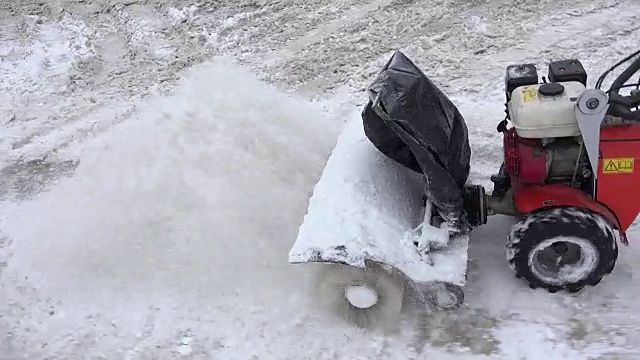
{"x": 187, "y": 211}
{"x": 151, "y": 187}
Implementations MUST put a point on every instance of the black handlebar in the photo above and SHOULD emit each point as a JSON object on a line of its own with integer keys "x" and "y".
{"x": 622, "y": 106}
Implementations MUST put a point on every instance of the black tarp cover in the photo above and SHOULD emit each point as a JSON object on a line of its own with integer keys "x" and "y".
{"x": 410, "y": 120}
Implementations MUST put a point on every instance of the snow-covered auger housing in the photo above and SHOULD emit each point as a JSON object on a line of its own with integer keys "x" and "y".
{"x": 392, "y": 211}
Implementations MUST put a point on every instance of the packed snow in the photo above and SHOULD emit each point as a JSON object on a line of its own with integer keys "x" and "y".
{"x": 151, "y": 191}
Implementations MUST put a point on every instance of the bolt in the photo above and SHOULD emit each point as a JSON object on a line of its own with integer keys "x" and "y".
{"x": 593, "y": 103}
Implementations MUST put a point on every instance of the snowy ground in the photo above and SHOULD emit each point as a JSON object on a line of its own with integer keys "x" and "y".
{"x": 170, "y": 239}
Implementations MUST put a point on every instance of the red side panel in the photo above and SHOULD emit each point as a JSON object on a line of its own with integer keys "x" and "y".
{"x": 618, "y": 175}
{"x": 535, "y": 158}
{"x": 512, "y": 158}
{"x": 534, "y": 197}
{"x": 519, "y": 151}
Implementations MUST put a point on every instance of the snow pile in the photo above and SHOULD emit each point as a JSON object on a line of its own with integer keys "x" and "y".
{"x": 192, "y": 203}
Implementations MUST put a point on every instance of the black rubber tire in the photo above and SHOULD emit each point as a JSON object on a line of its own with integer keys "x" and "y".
{"x": 593, "y": 231}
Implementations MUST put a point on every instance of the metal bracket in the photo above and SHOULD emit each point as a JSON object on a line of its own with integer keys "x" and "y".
{"x": 591, "y": 108}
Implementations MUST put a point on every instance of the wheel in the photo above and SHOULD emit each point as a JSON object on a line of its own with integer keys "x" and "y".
{"x": 562, "y": 249}
{"x": 449, "y": 297}
{"x": 369, "y": 298}
{"x": 437, "y": 295}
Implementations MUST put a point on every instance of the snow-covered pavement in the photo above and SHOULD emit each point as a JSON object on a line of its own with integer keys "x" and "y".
{"x": 176, "y": 180}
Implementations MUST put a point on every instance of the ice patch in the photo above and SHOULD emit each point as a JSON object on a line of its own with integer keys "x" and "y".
{"x": 232, "y": 21}
{"x": 536, "y": 340}
{"x": 475, "y": 24}
{"x": 182, "y": 15}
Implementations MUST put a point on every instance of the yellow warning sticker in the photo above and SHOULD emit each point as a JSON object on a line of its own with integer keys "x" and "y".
{"x": 618, "y": 165}
{"x": 529, "y": 94}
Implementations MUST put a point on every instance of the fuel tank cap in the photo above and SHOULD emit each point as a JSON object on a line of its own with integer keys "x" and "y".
{"x": 551, "y": 89}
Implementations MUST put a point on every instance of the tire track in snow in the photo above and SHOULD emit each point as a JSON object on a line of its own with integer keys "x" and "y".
{"x": 586, "y": 32}
{"x": 98, "y": 76}
{"x": 440, "y": 38}
{"x": 321, "y": 32}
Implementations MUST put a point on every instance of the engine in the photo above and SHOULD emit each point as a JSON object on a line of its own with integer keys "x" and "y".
{"x": 545, "y": 161}
{"x": 543, "y": 145}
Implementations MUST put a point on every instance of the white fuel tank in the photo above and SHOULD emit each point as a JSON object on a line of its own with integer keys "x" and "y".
{"x": 545, "y": 110}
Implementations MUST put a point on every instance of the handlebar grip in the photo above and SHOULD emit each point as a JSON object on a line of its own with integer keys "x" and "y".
{"x": 621, "y": 105}
{"x": 626, "y": 75}
{"x": 624, "y": 112}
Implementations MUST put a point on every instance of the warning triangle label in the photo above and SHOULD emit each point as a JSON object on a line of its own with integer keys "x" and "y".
{"x": 618, "y": 165}
{"x": 610, "y": 167}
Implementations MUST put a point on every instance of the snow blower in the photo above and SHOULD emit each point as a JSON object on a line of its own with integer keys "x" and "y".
{"x": 393, "y": 209}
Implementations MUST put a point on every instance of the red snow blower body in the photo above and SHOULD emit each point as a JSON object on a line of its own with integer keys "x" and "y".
{"x": 616, "y": 196}
{"x": 551, "y": 171}
{"x": 619, "y": 180}
{"x": 568, "y": 175}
